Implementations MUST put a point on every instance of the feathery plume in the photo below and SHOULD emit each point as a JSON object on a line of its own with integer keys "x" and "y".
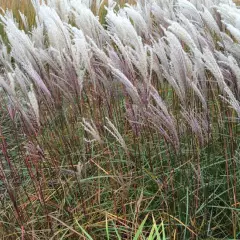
{"x": 115, "y": 133}
{"x": 91, "y": 128}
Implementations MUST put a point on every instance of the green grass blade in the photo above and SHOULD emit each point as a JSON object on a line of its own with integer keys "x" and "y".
{"x": 140, "y": 229}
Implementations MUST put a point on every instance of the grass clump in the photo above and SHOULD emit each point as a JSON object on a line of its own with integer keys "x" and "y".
{"x": 122, "y": 124}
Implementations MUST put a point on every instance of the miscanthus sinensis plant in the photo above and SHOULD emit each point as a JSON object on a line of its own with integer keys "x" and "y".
{"x": 125, "y": 127}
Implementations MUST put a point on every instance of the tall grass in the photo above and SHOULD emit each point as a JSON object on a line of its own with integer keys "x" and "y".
{"x": 120, "y": 121}
{"x": 19, "y": 7}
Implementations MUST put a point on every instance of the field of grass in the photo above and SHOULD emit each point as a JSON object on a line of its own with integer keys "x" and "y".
{"x": 119, "y": 121}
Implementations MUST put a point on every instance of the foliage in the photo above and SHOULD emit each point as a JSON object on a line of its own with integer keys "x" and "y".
{"x": 120, "y": 121}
